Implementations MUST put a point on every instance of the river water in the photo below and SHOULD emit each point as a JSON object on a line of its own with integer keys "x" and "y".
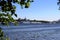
{"x": 32, "y": 31}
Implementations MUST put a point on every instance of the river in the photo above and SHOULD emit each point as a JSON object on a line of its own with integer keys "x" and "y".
{"x": 32, "y": 31}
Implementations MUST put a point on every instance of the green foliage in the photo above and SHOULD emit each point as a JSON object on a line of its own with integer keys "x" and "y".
{"x": 6, "y": 18}
{"x": 8, "y": 9}
{"x": 2, "y": 35}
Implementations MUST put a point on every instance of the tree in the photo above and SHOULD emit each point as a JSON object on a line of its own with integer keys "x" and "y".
{"x": 7, "y": 9}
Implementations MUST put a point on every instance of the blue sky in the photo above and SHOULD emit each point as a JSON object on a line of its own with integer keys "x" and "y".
{"x": 40, "y": 10}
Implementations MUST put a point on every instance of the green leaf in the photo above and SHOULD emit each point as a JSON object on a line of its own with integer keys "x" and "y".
{"x": 27, "y": 5}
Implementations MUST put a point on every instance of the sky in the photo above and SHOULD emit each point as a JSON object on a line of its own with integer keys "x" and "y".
{"x": 40, "y": 10}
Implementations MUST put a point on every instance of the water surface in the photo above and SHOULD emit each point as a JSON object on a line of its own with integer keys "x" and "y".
{"x": 33, "y": 31}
